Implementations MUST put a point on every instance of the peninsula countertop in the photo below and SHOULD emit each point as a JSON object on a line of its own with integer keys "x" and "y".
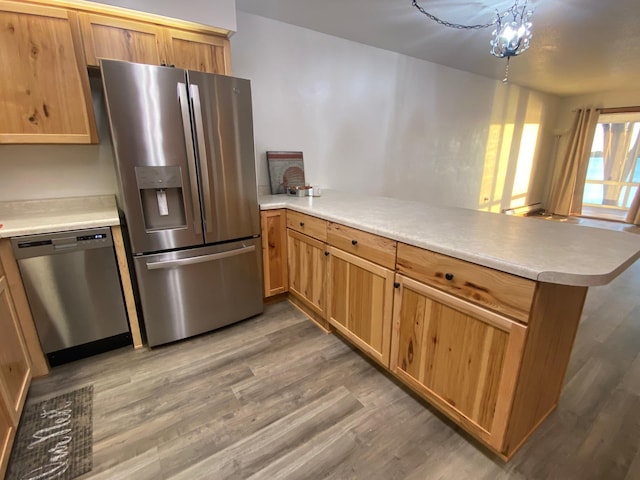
{"x": 546, "y": 251}
{"x": 28, "y": 217}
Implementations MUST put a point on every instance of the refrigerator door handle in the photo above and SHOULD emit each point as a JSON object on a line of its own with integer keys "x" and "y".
{"x": 202, "y": 154}
{"x": 201, "y": 259}
{"x": 183, "y": 99}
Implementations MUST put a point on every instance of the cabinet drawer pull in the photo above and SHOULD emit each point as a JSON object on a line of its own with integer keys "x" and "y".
{"x": 354, "y": 242}
{"x": 326, "y": 254}
{"x": 448, "y": 276}
{"x": 396, "y": 285}
{"x": 302, "y": 224}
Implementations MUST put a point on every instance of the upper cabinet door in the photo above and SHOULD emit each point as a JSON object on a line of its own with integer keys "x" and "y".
{"x": 198, "y": 51}
{"x": 44, "y": 85}
{"x": 118, "y": 39}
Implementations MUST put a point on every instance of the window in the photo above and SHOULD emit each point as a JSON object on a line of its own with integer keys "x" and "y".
{"x": 613, "y": 175}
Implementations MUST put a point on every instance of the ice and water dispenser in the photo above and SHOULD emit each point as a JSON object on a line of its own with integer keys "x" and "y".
{"x": 161, "y": 196}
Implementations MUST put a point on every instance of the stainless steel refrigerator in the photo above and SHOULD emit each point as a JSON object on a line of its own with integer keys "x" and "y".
{"x": 183, "y": 144}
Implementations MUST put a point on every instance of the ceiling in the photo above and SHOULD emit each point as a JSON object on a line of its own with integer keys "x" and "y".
{"x": 578, "y": 46}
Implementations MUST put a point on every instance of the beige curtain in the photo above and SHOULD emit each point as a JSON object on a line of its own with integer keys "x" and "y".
{"x": 567, "y": 186}
{"x": 633, "y": 215}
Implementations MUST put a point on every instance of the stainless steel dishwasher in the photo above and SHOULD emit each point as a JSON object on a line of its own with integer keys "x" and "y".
{"x": 73, "y": 287}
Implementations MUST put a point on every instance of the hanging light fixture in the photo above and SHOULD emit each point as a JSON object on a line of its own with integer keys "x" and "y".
{"x": 510, "y": 38}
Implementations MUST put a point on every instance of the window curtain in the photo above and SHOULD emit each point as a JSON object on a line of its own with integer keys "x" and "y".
{"x": 568, "y": 183}
{"x": 633, "y": 215}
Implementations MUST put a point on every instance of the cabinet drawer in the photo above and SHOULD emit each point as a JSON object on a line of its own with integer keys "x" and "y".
{"x": 312, "y": 226}
{"x": 502, "y": 292}
{"x": 372, "y": 247}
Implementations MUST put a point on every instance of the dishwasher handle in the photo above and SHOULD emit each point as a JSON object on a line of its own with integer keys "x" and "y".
{"x": 181, "y": 262}
{"x": 63, "y": 243}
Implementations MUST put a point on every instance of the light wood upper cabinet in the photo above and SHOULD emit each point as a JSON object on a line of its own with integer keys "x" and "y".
{"x": 119, "y": 39}
{"x": 274, "y": 251}
{"x": 359, "y": 305}
{"x": 45, "y": 51}
{"x": 44, "y": 85}
{"x": 197, "y": 51}
{"x": 462, "y": 358}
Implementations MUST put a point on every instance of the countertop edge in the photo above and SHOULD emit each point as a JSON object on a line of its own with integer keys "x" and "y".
{"x": 80, "y": 225}
{"x": 32, "y": 217}
{"x": 596, "y": 278}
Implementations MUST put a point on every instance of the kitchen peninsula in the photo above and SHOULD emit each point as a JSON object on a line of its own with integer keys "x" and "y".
{"x": 474, "y": 311}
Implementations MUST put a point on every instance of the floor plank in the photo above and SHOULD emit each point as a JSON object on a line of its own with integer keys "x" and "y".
{"x": 245, "y": 457}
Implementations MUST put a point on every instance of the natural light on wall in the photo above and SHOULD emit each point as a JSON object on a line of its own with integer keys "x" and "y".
{"x": 496, "y": 162}
{"x": 521, "y": 182}
{"x": 510, "y": 155}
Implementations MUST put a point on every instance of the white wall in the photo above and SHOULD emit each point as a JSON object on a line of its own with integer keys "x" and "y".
{"x": 375, "y": 121}
{"x": 217, "y": 13}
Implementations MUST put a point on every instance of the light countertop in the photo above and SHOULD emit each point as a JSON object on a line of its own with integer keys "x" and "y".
{"x": 547, "y": 251}
{"x": 28, "y": 217}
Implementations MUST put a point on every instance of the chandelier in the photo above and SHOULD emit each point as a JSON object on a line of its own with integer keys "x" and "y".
{"x": 509, "y": 38}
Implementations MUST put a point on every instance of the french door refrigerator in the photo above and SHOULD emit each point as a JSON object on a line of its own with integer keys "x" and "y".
{"x": 183, "y": 144}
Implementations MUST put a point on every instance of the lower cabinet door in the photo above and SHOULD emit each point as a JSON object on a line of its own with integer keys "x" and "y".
{"x": 15, "y": 366}
{"x": 7, "y": 432}
{"x": 274, "y": 251}
{"x": 307, "y": 264}
{"x": 460, "y": 357}
{"x": 360, "y": 297}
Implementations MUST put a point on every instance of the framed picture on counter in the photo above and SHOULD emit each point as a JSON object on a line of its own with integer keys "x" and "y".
{"x": 286, "y": 170}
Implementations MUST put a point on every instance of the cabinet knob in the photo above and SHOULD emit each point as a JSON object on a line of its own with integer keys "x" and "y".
{"x": 326, "y": 254}
{"x": 302, "y": 224}
{"x": 396, "y": 285}
{"x": 448, "y": 276}
{"x": 354, "y": 242}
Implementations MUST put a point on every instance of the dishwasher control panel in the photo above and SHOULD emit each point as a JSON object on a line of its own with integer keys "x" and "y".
{"x": 96, "y": 236}
{"x": 60, "y": 242}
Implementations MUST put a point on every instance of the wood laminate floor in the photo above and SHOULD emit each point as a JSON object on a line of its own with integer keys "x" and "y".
{"x": 275, "y": 398}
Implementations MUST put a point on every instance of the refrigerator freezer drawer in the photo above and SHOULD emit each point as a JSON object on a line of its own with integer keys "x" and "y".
{"x": 193, "y": 291}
